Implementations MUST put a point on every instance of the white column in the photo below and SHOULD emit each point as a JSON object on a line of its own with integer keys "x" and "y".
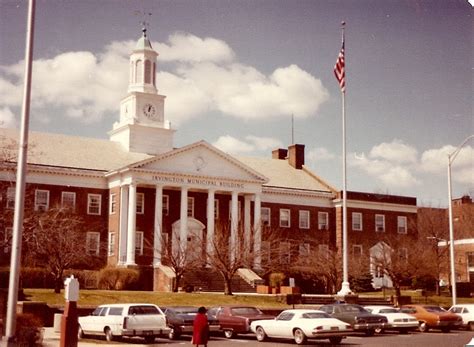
{"x": 247, "y": 223}
{"x": 122, "y": 253}
{"x": 183, "y": 230}
{"x": 132, "y": 217}
{"x": 158, "y": 225}
{"x": 210, "y": 222}
{"x": 234, "y": 223}
{"x": 257, "y": 226}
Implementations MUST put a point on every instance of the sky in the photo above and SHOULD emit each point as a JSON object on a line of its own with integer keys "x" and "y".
{"x": 236, "y": 72}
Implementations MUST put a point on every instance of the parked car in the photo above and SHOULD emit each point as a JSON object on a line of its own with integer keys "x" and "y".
{"x": 358, "y": 317}
{"x": 433, "y": 317}
{"x": 301, "y": 325}
{"x": 396, "y": 320}
{"x": 466, "y": 311}
{"x": 236, "y": 319}
{"x": 118, "y": 320}
{"x": 181, "y": 318}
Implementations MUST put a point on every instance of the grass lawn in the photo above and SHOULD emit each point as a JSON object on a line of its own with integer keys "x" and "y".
{"x": 98, "y": 297}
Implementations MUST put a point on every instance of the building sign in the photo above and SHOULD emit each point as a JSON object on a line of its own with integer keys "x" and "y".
{"x": 211, "y": 183}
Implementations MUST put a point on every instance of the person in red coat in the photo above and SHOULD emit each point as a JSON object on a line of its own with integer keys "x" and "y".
{"x": 200, "y": 328}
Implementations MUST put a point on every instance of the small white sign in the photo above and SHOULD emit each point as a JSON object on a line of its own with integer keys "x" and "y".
{"x": 71, "y": 289}
{"x": 292, "y": 282}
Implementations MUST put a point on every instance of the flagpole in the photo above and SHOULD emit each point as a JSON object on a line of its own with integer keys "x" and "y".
{"x": 345, "y": 288}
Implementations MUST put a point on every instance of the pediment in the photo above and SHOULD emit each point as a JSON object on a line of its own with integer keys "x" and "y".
{"x": 200, "y": 159}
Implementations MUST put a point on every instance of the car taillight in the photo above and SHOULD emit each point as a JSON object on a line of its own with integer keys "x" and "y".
{"x": 125, "y": 322}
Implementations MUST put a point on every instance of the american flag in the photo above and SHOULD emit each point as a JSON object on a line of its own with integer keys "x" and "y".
{"x": 339, "y": 70}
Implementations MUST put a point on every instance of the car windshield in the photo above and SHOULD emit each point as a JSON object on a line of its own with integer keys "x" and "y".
{"x": 434, "y": 309}
{"x": 244, "y": 311}
{"x": 312, "y": 315}
{"x": 353, "y": 308}
{"x": 388, "y": 310}
{"x": 185, "y": 310}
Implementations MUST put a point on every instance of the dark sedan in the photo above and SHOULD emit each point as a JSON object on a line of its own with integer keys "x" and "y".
{"x": 358, "y": 317}
{"x": 181, "y": 318}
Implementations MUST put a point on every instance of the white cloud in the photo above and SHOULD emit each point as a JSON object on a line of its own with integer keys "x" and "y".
{"x": 395, "y": 151}
{"x": 7, "y": 118}
{"x": 204, "y": 77}
{"x": 318, "y": 154}
{"x": 250, "y": 145}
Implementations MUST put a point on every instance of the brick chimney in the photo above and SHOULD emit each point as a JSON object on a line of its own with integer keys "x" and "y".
{"x": 296, "y": 156}
{"x": 279, "y": 153}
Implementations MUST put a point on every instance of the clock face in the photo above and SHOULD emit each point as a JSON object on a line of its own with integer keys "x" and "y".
{"x": 150, "y": 111}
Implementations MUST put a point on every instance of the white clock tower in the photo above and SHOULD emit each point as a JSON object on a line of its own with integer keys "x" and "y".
{"x": 142, "y": 127}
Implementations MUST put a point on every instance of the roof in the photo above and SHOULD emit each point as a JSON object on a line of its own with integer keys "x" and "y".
{"x": 281, "y": 174}
{"x": 143, "y": 42}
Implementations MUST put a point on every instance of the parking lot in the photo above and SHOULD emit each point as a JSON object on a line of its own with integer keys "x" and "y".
{"x": 458, "y": 338}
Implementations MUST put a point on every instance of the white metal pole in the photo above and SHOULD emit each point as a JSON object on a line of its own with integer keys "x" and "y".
{"x": 451, "y": 235}
{"x": 15, "y": 262}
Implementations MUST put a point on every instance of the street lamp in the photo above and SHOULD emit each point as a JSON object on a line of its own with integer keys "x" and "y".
{"x": 451, "y": 158}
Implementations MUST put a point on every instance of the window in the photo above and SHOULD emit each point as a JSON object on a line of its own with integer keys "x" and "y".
{"x": 111, "y": 245}
{"x": 147, "y": 71}
{"x": 284, "y": 218}
{"x": 403, "y": 254}
{"x": 166, "y": 205}
{"x": 323, "y": 221}
{"x": 265, "y": 250}
{"x": 139, "y": 242}
{"x": 140, "y": 203}
{"x": 356, "y": 221}
{"x": 92, "y": 243}
{"x": 216, "y": 209}
{"x": 190, "y": 207}
{"x": 323, "y": 250}
{"x": 304, "y": 219}
{"x": 402, "y": 224}
{"x": 6, "y": 239}
{"x": 379, "y": 222}
{"x": 10, "y": 197}
{"x": 378, "y": 272}
{"x": 139, "y": 69}
{"x": 41, "y": 200}
{"x": 470, "y": 259}
{"x": 113, "y": 203}
{"x": 68, "y": 200}
{"x": 265, "y": 215}
{"x": 93, "y": 203}
{"x": 357, "y": 251}
{"x": 304, "y": 249}
{"x": 285, "y": 252}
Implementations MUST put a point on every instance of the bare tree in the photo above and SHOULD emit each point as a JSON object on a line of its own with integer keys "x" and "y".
{"x": 56, "y": 240}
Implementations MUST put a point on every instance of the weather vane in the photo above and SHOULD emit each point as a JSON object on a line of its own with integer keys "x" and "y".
{"x": 145, "y": 24}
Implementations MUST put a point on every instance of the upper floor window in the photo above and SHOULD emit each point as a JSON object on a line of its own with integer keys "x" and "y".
{"x": 379, "y": 222}
{"x": 94, "y": 204}
{"x": 356, "y": 221}
{"x": 304, "y": 219}
{"x": 285, "y": 218}
{"x": 140, "y": 203}
{"x": 190, "y": 207}
{"x": 402, "y": 224}
{"x": 111, "y": 246}
{"x": 10, "y": 197}
{"x": 323, "y": 221}
{"x": 265, "y": 216}
{"x": 113, "y": 203}
{"x": 92, "y": 243}
{"x": 139, "y": 242}
{"x": 41, "y": 200}
{"x": 166, "y": 204}
{"x": 68, "y": 200}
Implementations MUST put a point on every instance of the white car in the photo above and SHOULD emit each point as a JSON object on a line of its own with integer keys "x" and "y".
{"x": 300, "y": 325}
{"x": 396, "y": 320}
{"x": 118, "y": 320}
{"x": 466, "y": 311}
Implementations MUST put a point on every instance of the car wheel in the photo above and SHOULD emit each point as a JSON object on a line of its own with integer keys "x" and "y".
{"x": 470, "y": 326}
{"x": 335, "y": 340}
{"x": 174, "y": 334}
{"x": 229, "y": 333}
{"x": 149, "y": 339}
{"x": 108, "y": 334}
{"x": 299, "y": 336}
{"x": 423, "y": 327}
{"x": 260, "y": 334}
{"x": 369, "y": 332}
{"x": 80, "y": 333}
{"x": 445, "y": 330}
